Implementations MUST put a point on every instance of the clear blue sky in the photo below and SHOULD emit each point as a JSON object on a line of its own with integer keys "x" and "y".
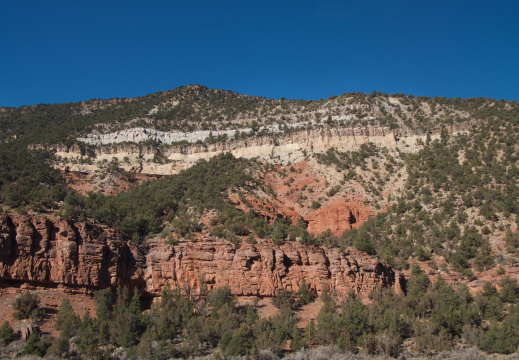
{"x": 64, "y": 51}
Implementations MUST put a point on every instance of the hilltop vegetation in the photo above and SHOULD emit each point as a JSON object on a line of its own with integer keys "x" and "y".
{"x": 199, "y": 108}
{"x": 458, "y": 189}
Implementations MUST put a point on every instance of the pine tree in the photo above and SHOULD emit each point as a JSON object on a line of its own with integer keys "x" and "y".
{"x": 126, "y": 327}
{"x": 135, "y": 304}
{"x": 510, "y": 290}
{"x": 35, "y": 346}
{"x": 104, "y": 304}
{"x": 298, "y": 340}
{"x": 326, "y": 320}
{"x": 89, "y": 336}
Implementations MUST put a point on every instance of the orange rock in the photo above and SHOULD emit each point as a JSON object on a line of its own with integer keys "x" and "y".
{"x": 338, "y": 217}
{"x": 52, "y": 252}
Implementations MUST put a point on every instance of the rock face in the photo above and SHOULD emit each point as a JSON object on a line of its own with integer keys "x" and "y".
{"x": 280, "y": 149}
{"x": 338, "y": 216}
{"x": 49, "y": 252}
{"x": 53, "y": 252}
{"x": 139, "y": 134}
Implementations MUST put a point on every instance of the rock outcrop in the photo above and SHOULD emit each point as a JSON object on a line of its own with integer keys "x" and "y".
{"x": 338, "y": 217}
{"x": 279, "y": 149}
{"x": 49, "y": 252}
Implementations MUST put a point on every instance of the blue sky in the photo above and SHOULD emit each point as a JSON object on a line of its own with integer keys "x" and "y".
{"x": 65, "y": 51}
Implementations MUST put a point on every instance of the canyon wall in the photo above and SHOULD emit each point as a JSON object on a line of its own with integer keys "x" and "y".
{"x": 48, "y": 252}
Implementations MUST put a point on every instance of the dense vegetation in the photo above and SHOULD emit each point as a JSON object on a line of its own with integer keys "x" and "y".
{"x": 27, "y": 179}
{"x": 432, "y": 317}
{"x": 458, "y": 192}
{"x": 458, "y": 189}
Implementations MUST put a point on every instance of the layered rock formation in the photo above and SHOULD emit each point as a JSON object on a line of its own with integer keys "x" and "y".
{"x": 276, "y": 149}
{"x": 50, "y": 252}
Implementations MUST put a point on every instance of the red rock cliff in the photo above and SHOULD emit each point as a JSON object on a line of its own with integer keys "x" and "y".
{"x": 54, "y": 252}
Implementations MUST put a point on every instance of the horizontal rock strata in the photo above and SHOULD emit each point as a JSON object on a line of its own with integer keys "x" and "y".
{"x": 280, "y": 148}
{"x": 50, "y": 252}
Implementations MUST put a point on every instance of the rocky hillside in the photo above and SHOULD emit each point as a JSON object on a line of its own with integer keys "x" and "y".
{"x": 330, "y": 164}
{"x": 362, "y": 147}
{"x": 385, "y": 199}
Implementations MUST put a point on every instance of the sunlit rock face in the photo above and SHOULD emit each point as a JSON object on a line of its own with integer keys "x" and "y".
{"x": 50, "y": 252}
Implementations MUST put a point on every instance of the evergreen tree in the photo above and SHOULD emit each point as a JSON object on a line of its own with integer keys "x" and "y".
{"x": 126, "y": 327}
{"x": 309, "y": 334}
{"x": 448, "y": 311}
{"x": 304, "y": 295}
{"x": 327, "y": 331}
{"x": 509, "y": 289}
{"x": 64, "y": 313}
{"x": 36, "y": 345}
{"x": 89, "y": 336}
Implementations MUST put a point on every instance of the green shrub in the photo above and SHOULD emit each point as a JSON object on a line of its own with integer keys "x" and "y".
{"x": 64, "y": 313}
{"x": 6, "y": 332}
{"x": 315, "y": 205}
{"x": 284, "y": 300}
{"x": 220, "y": 296}
{"x": 37, "y": 345}
{"x": 27, "y": 305}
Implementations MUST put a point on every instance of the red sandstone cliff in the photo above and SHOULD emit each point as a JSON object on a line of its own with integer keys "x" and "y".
{"x": 54, "y": 252}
